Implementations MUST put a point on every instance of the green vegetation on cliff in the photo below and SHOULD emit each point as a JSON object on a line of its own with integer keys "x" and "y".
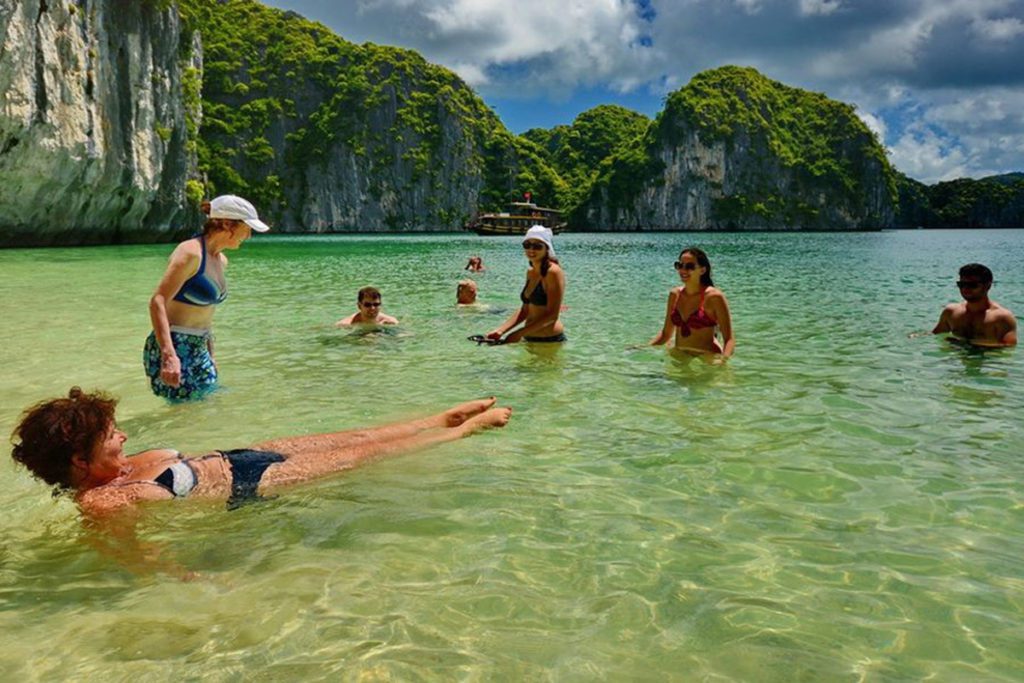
{"x": 993, "y": 202}
{"x": 283, "y": 97}
{"x": 286, "y": 102}
{"x": 577, "y": 151}
{"x": 783, "y": 146}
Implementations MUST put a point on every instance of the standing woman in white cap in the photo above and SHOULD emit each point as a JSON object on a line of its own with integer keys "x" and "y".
{"x": 178, "y": 355}
{"x": 541, "y": 296}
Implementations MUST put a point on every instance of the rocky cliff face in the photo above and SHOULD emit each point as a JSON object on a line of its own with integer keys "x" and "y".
{"x": 327, "y": 136}
{"x": 389, "y": 173}
{"x": 736, "y": 151}
{"x": 993, "y": 202}
{"x": 92, "y": 123}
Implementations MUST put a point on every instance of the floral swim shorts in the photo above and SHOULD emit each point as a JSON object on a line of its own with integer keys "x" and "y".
{"x": 198, "y": 373}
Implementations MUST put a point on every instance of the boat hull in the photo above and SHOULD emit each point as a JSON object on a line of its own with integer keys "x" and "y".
{"x": 519, "y": 218}
{"x": 484, "y": 227}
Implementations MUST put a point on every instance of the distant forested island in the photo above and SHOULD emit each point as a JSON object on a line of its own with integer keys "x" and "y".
{"x": 119, "y": 118}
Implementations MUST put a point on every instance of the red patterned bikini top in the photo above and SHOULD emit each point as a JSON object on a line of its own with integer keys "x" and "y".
{"x": 697, "y": 320}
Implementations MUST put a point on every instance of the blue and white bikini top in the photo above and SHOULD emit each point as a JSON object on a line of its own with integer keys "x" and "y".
{"x": 200, "y": 290}
{"x": 179, "y": 478}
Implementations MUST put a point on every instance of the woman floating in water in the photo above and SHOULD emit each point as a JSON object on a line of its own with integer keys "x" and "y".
{"x": 541, "y": 296}
{"x": 178, "y": 354}
{"x": 475, "y": 264}
{"x": 74, "y": 444}
{"x": 696, "y": 309}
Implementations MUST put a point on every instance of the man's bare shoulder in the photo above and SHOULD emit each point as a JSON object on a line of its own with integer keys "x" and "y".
{"x": 1002, "y": 313}
{"x": 955, "y": 307}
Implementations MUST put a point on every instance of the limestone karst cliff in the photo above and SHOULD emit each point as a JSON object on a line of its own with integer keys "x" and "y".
{"x": 993, "y": 202}
{"x": 734, "y": 150}
{"x": 92, "y": 123}
{"x": 328, "y": 136}
{"x": 118, "y": 116}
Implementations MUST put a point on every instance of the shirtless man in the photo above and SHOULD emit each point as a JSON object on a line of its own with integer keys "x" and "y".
{"x": 369, "y": 313}
{"x": 978, "y": 320}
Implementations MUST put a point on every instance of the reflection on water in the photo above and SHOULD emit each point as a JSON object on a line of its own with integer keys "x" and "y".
{"x": 361, "y": 335}
{"x": 836, "y": 502}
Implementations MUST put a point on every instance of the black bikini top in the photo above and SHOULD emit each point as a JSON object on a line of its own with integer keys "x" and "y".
{"x": 538, "y": 297}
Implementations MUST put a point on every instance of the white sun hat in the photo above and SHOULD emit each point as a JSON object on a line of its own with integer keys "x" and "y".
{"x": 541, "y": 234}
{"x": 237, "y": 209}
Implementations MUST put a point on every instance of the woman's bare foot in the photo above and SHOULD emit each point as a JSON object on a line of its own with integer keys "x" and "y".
{"x": 453, "y": 417}
{"x": 495, "y": 417}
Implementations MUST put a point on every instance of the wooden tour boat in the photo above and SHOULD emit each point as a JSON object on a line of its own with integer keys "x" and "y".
{"x": 516, "y": 220}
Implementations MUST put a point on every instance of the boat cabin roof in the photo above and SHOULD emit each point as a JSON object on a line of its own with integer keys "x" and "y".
{"x": 528, "y": 207}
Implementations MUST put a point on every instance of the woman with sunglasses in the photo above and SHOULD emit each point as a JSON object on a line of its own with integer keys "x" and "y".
{"x": 541, "y": 296}
{"x": 696, "y": 309}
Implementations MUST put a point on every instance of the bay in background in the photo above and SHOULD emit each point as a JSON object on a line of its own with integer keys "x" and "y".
{"x": 837, "y": 502}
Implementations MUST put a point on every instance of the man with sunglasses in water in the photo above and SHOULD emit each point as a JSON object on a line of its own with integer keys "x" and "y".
{"x": 977, "y": 320}
{"x": 369, "y": 313}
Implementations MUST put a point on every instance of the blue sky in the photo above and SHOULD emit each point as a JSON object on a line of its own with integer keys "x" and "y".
{"x": 940, "y": 81}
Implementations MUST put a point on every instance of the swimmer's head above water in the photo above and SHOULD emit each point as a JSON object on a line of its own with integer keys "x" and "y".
{"x": 54, "y": 437}
{"x": 465, "y": 292}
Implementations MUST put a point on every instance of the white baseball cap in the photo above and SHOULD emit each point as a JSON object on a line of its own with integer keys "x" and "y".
{"x": 237, "y": 209}
{"x": 541, "y": 234}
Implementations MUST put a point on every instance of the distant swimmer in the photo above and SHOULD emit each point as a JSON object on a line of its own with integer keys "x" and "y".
{"x": 369, "y": 302}
{"x": 475, "y": 264}
{"x": 178, "y": 354}
{"x": 465, "y": 293}
{"x": 977, "y": 320}
{"x": 541, "y": 296}
{"x": 696, "y": 309}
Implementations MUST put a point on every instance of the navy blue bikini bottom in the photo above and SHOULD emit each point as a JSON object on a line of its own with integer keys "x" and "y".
{"x": 560, "y": 337}
{"x": 247, "y": 468}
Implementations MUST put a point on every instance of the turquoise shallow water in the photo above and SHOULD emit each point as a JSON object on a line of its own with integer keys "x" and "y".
{"x": 837, "y": 503}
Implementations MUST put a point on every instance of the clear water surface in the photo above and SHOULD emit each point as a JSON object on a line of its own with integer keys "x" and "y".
{"x": 838, "y": 503}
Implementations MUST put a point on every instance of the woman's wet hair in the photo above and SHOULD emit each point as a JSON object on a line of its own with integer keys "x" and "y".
{"x": 213, "y": 224}
{"x": 50, "y": 433}
{"x": 546, "y": 261}
{"x": 702, "y": 260}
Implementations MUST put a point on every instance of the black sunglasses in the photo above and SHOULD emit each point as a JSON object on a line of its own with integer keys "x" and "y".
{"x": 371, "y": 304}
{"x": 685, "y": 266}
{"x": 533, "y": 245}
{"x": 968, "y": 284}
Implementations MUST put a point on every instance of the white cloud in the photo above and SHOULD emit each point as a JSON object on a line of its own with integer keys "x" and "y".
{"x": 472, "y": 74}
{"x": 928, "y": 157}
{"x": 556, "y": 45}
{"x": 874, "y": 124}
{"x": 894, "y": 60}
{"x": 998, "y": 29}
{"x": 810, "y": 8}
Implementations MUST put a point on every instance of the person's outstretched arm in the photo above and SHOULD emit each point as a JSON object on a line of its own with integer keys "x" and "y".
{"x": 720, "y": 308}
{"x": 183, "y": 264}
{"x": 943, "y": 324}
{"x": 517, "y": 317}
{"x": 666, "y": 327}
